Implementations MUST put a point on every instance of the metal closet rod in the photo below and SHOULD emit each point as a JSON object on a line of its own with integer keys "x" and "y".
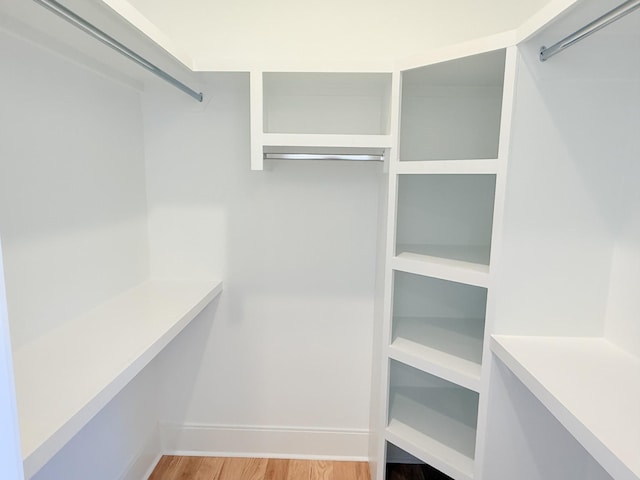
{"x": 599, "y": 23}
{"x": 325, "y": 156}
{"x": 108, "y": 40}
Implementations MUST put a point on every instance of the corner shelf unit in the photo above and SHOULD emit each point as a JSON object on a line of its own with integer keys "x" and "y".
{"x": 590, "y": 385}
{"x": 66, "y": 377}
{"x": 320, "y": 113}
{"x": 445, "y": 207}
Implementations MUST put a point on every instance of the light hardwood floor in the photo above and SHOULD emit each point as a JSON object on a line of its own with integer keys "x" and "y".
{"x": 219, "y": 468}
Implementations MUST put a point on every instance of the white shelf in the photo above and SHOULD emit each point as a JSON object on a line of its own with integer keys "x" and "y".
{"x": 449, "y": 348}
{"x": 448, "y": 167}
{"x": 444, "y": 263}
{"x": 64, "y": 378}
{"x": 476, "y": 254}
{"x": 591, "y": 386}
{"x": 430, "y": 432}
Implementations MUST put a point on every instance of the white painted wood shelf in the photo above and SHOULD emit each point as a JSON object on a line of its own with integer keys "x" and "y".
{"x": 64, "y": 378}
{"x": 449, "y": 348}
{"x": 463, "y": 264}
{"x": 590, "y": 385}
{"x": 428, "y": 423}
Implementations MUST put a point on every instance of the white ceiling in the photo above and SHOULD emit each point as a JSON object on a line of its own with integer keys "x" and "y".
{"x": 337, "y": 34}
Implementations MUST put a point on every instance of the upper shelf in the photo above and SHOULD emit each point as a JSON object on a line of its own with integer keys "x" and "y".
{"x": 66, "y": 377}
{"x": 319, "y": 110}
{"x": 590, "y": 385}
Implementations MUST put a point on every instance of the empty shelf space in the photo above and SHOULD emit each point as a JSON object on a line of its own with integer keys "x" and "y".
{"x": 401, "y": 465}
{"x": 480, "y": 166}
{"x": 452, "y": 110}
{"x": 436, "y": 425}
{"x": 64, "y": 378}
{"x": 447, "y": 216}
{"x": 450, "y": 348}
{"x": 590, "y": 385}
{"x": 326, "y": 103}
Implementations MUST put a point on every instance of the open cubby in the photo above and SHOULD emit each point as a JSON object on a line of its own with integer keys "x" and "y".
{"x": 446, "y": 216}
{"x": 433, "y": 419}
{"x": 452, "y": 110}
{"x": 401, "y": 465}
{"x": 326, "y": 103}
{"x": 438, "y": 326}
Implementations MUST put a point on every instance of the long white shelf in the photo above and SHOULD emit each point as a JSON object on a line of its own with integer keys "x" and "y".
{"x": 460, "y": 264}
{"x": 448, "y": 348}
{"x": 590, "y": 385}
{"x": 430, "y": 432}
{"x": 64, "y": 378}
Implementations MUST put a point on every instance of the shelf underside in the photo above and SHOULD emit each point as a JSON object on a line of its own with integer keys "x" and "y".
{"x": 590, "y": 385}
{"x": 449, "y": 348}
{"x": 436, "y": 425}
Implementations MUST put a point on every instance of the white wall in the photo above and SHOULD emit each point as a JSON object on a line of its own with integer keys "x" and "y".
{"x": 10, "y": 458}
{"x": 72, "y": 198}
{"x": 526, "y": 442}
{"x": 120, "y": 442}
{"x": 290, "y": 345}
{"x": 73, "y": 225}
{"x": 571, "y": 256}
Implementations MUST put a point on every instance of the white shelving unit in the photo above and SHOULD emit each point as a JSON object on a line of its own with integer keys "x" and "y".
{"x": 445, "y": 209}
{"x": 67, "y": 376}
{"x": 319, "y": 113}
{"x": 590, "y": 385}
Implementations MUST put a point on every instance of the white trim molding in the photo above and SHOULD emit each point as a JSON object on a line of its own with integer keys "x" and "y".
{"x": 264, "y": 441}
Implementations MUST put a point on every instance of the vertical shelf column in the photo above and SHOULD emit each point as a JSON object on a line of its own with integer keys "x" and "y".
{"x": 454, "y": 123}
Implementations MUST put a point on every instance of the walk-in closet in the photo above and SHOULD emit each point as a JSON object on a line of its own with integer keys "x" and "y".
{"x": 402, "y": 234}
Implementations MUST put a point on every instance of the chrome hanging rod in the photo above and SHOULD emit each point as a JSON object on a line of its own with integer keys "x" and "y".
{"x": 325, "y": 156}
{"x": 99, "y": 35}
{"x": 599, "y": 23}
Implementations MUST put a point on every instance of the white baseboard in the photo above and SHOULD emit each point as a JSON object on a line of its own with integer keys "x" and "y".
{"x": 146, "y": 460}
{"x": 264, "y": 442}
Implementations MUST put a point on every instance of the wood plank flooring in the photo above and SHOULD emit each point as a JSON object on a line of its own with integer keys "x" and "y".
{"x": 219, "y": 468}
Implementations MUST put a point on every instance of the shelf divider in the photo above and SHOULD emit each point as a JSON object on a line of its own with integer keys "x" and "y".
{"x": 443, "y": 268}
{"x": 452, "y": 354}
